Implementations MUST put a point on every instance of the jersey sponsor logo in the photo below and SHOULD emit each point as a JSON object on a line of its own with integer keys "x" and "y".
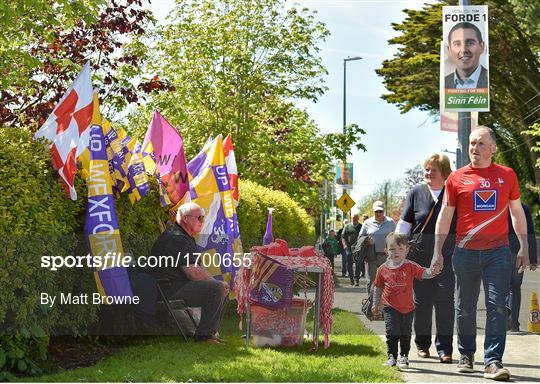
{"x": 485, "y": 200}
{"x": 467, "y": 182}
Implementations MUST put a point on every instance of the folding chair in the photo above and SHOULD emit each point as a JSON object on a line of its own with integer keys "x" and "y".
{"x": 174, "y": 305}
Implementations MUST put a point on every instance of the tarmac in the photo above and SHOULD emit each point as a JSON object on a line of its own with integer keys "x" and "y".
{"x": 522, "y": 353}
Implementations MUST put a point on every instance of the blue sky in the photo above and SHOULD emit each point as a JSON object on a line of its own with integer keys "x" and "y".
{"x": 394, "y": 141}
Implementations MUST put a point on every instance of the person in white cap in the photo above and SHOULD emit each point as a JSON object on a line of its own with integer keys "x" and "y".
{"x": 377, "y": 227}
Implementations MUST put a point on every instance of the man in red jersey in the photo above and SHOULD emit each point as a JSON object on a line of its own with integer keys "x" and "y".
{"x": 482, "y": 193}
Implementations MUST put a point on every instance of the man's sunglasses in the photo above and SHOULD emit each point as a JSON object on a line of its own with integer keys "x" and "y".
{"x": 200, "y": 218}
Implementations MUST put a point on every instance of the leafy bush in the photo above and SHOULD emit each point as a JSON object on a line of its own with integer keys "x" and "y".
{"x": 290, "y": 221}
{"x": 36, "y": 219}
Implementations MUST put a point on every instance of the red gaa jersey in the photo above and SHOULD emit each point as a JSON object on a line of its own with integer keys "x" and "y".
{"x": 397, "y": 284}
{"x": 481, "y": 197}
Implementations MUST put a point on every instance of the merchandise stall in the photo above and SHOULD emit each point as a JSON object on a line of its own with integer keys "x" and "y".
{"x": 264, "y": 292}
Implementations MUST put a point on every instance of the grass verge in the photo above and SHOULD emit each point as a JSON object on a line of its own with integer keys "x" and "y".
{"x": 354, "y": 355}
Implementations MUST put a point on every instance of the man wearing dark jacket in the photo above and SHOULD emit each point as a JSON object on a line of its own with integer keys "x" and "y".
{"x": 513, "y": 300}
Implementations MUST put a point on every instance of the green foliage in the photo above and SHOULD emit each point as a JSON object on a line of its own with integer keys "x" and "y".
{"x": 236, "y": 66}
{"x": 24, "y": 23}
{"x": 412, "y": 79}
{"x": 534, "y": 133}
{"x": 36, "y": 219}
{"x": 529, "y": 12}
{"x": 393, "y": 191}
{"x": 19, "y": 353}
{"x": 290, "y": 221}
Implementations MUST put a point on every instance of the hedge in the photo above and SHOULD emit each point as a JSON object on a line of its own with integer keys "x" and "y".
{"x": 37, "y": 219}
{"x": 290, "y": 221}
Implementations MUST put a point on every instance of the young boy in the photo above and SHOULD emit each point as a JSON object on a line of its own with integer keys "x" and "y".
{"x": 394, "y": 284}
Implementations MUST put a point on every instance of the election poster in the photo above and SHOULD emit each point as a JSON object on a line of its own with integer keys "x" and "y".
{"x": 344, "y": 175}
{"x": 465, "y": 59}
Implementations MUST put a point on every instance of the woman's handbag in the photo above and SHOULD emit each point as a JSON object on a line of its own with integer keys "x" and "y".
{"x": 366, "y": 308}
{"x": 415, "y": 243}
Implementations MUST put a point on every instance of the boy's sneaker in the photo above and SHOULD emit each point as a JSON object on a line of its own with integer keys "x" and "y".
{"x": 391, "y": 362}
{"x": 466, "y": 364}
{"x": 403, "y": 362}
{"x": 496, "y": 371}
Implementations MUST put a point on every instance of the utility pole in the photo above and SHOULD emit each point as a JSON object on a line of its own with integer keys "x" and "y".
{"x": 386, "y": 197}
{"x": 345, "y": 103}
{"x": 333, "y": 204}
{"x": 464, "y": 128}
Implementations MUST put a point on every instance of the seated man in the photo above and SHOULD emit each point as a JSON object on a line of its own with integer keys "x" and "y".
{"x": 189, "y": 281}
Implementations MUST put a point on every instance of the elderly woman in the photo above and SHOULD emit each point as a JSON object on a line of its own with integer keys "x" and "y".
{"x": 418, "y": 218}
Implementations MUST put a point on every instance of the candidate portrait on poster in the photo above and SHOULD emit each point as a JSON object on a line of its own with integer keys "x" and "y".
{"x": 465, "y": 61}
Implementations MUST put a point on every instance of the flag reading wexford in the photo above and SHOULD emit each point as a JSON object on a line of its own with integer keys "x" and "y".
{"x": 101, "y": 227}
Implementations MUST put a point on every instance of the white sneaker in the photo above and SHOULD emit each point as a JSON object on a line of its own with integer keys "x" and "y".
{"x": 496, "y": 371}
{"x": 391, "y": 362}
{"x": 403, "y": 362}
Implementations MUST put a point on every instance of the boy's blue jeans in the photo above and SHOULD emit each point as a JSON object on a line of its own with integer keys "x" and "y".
{"x": 492, "y": 267}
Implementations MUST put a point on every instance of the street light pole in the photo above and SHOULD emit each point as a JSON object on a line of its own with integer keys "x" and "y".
{"x": 345, "y": 88}
{"x": 464, "y": 128}
{"x": 345, "y": 100}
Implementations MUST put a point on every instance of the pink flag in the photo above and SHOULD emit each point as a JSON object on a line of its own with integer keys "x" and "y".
{"x": 230, "y": 161}
{"x": 166, "y": 143}
{"x": 68, "y": 128}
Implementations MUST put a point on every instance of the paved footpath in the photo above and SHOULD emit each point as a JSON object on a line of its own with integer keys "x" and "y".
{"x": 522, "y": 354}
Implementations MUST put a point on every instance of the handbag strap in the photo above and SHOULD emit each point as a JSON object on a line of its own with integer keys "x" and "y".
{"x": 428, "y": 217}
{"x": 431, "y": 211}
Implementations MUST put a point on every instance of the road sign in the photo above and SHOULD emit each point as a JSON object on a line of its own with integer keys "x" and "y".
{"x": 345, "y": 203}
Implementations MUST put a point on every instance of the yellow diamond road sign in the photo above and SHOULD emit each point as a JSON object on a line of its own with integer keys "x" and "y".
{"x": 345, "y": 203}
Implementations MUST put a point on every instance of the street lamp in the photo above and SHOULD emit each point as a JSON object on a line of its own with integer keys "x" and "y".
{"x": 345, "y": 98}
{"x": 345, "y": 88}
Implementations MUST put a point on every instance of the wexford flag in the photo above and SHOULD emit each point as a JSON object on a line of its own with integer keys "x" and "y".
{"x": 68, "y": 128}
{"x": 101, "y": 227}
{"x": 210, "y": 188}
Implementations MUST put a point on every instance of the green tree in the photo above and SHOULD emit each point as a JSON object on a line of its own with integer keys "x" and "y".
{"x": 237, "y": 67}
{"x": 25, "y": 23}
{"x": 45, "y": 43}
{"x": 412, "y": 79}
{"x": 529, "y": 11}
{"x": 390, "y": 192}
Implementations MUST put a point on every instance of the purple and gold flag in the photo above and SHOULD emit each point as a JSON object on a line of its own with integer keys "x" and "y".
{"x": 101, "y": 227}
{"x": 210, "y": 188}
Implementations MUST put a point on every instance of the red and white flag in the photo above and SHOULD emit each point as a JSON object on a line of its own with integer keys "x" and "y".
{"x": 230, "y": 161}
{"x": 68, "y": 128}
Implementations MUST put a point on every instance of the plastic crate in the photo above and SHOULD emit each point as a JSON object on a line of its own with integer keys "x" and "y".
{"x": 279, "y": 327}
